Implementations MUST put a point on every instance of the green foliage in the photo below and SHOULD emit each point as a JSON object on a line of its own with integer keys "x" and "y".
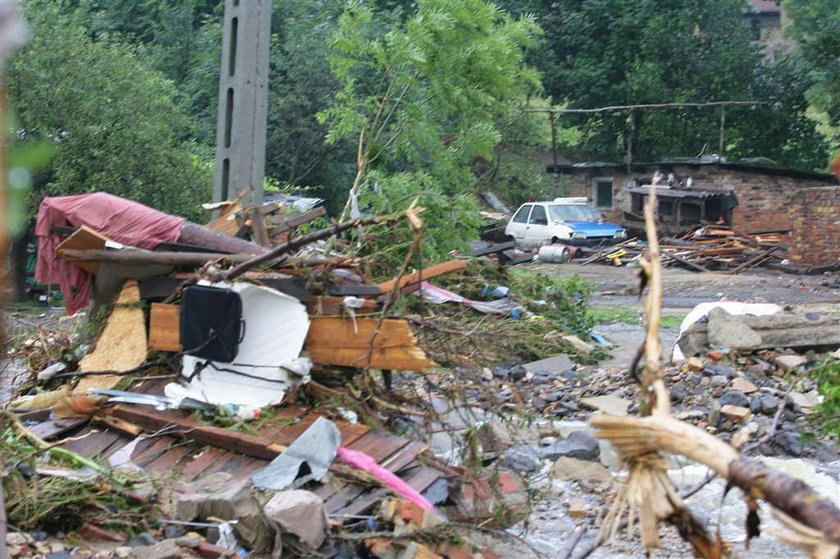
{"x": 565, "y": 299}
{"x": 424, "y": 100}
{"x": 115, "y": 122}
{"x": 815, "y": 24}
{"x": 600, "y": 53}
{"x": 827, "y": 377}
{"x": 447, "y": 220}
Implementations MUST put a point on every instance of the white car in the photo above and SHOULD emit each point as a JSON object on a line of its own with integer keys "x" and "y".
{"x": 563, "y": 220}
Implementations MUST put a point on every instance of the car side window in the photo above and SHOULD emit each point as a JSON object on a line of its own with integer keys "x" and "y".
{"x": 538, "y": 216}
{"x": 522, "y": 215}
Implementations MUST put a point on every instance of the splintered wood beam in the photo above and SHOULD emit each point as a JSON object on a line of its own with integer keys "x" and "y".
{"x": 351, "y": 343}
{"x": 425, "y": 274}
{"x": 228, "y": 439}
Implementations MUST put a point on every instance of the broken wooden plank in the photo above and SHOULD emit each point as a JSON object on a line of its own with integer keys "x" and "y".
{"x": 122, "y": 344}
{"x": 233, "y": 441}
{"x": 164, "y": 327}
{"x": 425, "y": 274}
{"x": 84, "y": 238}
{"x": 684, "y": 262}
{"x": 284, "y": 222}
{"x": 258, "y": 230}
{"x": 754, "y": 261}
{"x": 355, "y": 343}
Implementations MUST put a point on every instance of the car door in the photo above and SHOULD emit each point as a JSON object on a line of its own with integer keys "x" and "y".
{"x": 519, "y": 224}
{"x": 536, "y": 233}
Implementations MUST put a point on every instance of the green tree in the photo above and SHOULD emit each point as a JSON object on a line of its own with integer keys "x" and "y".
{"x": 116, "y": 124}
{"x": 598, "y": 53}
{"x": 815, "y": 25}
{"x": 423, "y": 101}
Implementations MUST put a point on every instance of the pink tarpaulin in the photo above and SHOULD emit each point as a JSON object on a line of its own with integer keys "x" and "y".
{"x": 121, "y": 220}
{"x": 365, "y": 462}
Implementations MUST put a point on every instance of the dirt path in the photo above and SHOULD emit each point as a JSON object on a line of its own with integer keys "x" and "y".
{"x": 685, "y": 289}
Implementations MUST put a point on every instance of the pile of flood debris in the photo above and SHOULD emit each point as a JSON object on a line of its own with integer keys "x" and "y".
{"x": 217, "y": 395}
{"x": 706, "y": 249}
{"x": 225, "y": 397}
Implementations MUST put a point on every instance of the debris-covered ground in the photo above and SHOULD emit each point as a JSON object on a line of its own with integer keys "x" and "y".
{"x": 264, "y": 398}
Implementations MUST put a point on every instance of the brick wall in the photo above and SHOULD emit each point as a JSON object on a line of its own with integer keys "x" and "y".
{"x": 815, "y": 220}
{"x": 764, "y": 199}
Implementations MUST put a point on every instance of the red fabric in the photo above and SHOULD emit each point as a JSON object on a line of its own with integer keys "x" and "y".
{"x": 121, "y": 220}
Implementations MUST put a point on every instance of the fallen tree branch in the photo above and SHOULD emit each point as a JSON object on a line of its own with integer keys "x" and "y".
{"x": 296, "y": 243}
{"x": 640, "y": 435}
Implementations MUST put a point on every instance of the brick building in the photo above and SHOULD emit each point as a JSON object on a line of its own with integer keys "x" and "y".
{"x": 768, "y": 198}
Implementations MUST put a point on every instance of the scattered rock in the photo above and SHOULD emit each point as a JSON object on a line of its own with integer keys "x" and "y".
{"x": 142, "y": 539}
{"x": 718, "y": 381}
{"x": 769, "y": 404}
{"x": 788, "y": 362}
{"x": 579, "y": 444}
{"x": 522, "y": 458}
{"x": 790, "y": 442}
{"x": 608, "y": 404}
{"x": 719, "y": 369}
{"x": 693, "y": 364}
{"x": 167, "y": 549}
{"x": 734, "y": 398}
{"x": 18, "y": 538}
{"x": 123, "y": 552}
{"x": 578, "y": 508}
{"x": 300, "y": 513}
{"x": 92, "y": 533}
{"x": 735, "y": 413}
{"x": 560, "y": 362}
{"x": 755, "y": 405}
{"x": 743, "y": 385}
{"x": 678, "y": 393}
{"x": 571, "y": 468}
{"x": 806, "y": 401}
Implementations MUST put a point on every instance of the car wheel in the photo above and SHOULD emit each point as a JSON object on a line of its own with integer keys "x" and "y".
{"x": 555, "y": 240}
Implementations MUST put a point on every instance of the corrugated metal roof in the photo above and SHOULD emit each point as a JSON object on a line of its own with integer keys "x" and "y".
{"x": 677, "y": 192}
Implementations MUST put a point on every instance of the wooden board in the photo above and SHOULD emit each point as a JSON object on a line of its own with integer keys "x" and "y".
{"x": 84, "y": 238}
{"x": 122, "y": 344}
{"x": 425, "y": 274}
{"x": 165, "y": 327}
{"x": 343, "y": 341}
{"x": 332, "y": 306}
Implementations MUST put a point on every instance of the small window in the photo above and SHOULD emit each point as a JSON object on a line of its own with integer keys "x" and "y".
{"x": 538, "y": 216}
{"x": 603, "y": 194}
{"x": 666, "y": 210}
{"x": 522, "y": 215}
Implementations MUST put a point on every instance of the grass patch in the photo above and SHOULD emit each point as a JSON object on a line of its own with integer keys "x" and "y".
{"x": 630, "y": 315}
{"x": 827, "y": 377}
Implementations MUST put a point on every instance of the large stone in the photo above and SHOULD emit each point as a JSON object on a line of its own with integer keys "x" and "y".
{"x": 743, "y": 385}
{"x": 522, "y": 458}
{"x": 579, "y": 444}
{"x": 220, "y": 495}
{"x": 300, "y": 513}
{"x": 790, "y": 442}
{"x": 788, "y": 362}
{"x": 726, "y": 330}
{"x": 167, "y": 549}
{"x": 497, "y": 435}
{"x": 608, "y": 404}
{"x": 769, "y": 404}
{"x": 734, "y": 398}
{"x": 807, "y": 400}
{"x": 567, "y": 468}
{"x": 560, "y": 362}
{"x": 735, "y": 413}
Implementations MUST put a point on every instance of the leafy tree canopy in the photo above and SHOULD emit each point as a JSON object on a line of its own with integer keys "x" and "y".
{"x": 600, "y": 53}
{"x": 114, "y": 121}
{"x": 423, "y": 100}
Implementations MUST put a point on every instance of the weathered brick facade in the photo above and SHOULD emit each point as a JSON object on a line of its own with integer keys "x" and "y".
{"x": 815, "y": 222}
{"x": 765, "y": 195}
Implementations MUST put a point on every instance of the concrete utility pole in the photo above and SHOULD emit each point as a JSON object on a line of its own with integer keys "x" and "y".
{"x": 243, "y": 100}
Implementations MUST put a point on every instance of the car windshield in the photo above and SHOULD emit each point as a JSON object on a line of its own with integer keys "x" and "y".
{"x": 573, "y": 212}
